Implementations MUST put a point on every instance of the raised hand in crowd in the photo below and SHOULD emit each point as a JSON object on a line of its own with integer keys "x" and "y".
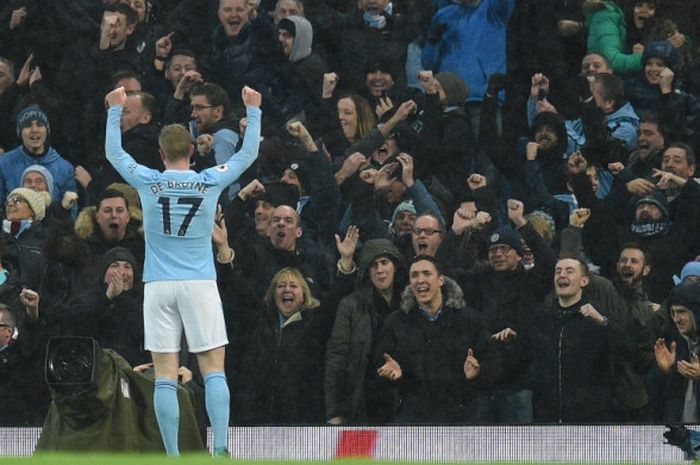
{"x": 30, "y": 300}
{"x": 330, "y": 81}
{"x": 403, "y": 112}
{"x": 538, "y": 82}
{"x": 516, "y": 213}
{"x": 185, "y": 85}
{"x": 351, "y": 165}
{"x": 579, "y": 216}
{"x": 462, "y": 222}
{"x": 25, "y": 72}
{"x": 205, "y": 142}
{"x": 476, "y": 181}
{"x": 385, "y": 104}
{"x": 384, "y": 176}
{"x": 251, "y": 190}
{"x": 406, "y": 162}
{"x": 82, "y": 176}
{"x": 427, "y": 81}
{"x": 298, "y": 130}
{"x": 347, "y": 247}
{"x": 17, "y": 18}
{"x": 164, "y": 46}
{"x": 219, "y": 236}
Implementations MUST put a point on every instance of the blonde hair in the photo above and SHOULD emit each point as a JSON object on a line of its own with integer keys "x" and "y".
{"x": 309, "y": 300}
{"x": 174, "y": 141}
{"x": 366, "y": 119}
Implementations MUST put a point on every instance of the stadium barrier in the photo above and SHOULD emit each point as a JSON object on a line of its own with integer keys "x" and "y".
{"x": 538, "y": 444}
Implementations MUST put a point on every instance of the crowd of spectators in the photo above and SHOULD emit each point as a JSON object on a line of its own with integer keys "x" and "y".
{"x": 465, "y": 211}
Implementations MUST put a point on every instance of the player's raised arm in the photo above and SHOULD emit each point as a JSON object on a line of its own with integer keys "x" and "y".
{"x": 116, "y": 155}
{"x": 245, "y": 157}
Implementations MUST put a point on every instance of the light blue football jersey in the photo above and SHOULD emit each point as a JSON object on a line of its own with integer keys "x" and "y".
{"x": 179, "y": 205}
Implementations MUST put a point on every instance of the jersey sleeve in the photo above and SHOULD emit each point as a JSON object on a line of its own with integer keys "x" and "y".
{"x": 135, "y": 174}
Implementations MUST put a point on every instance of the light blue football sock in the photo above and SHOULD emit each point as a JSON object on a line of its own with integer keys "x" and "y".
{"x": 167, "y": 413}
{"x": 217, "y": 399}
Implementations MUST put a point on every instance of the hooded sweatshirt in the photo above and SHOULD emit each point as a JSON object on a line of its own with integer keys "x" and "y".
{"x": 303, "y": 37}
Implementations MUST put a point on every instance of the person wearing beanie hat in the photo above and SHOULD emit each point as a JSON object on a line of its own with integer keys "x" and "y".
{"x": 24, "y": 236}
{"x": 504, "y": 293}
{"x": 663, "y": 51}
{"x": 505, "y": 240}
{"x": 110, "y": 307}
{"x": 655, "y": 89}
{"x": 403, "y": 218}
{"x": 38, "y": 178}
{"x": 119, "y": 254}
{"x": 656, "y": 199}
{"x": 33, "y": 129}
{"x": 296, "y": 174}
{"x": 35, "y": 201}
{"x": 690, "y": 271}
{"x": 30, "y": 115}
{"x": 352, "y": 397}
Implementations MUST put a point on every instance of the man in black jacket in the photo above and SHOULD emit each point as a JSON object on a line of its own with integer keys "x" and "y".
{"x": 435, "y": 350}
{"x": 584, "y": 342}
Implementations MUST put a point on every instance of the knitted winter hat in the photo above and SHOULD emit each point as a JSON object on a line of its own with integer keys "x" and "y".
{"x": 44, "y": 172}
{"x": 657, "y": 198}
{"x": 30, "y": 114}
{"x": 508, "y": 236}
{"x": 405, "y": 206}
{"x": 663, "y": 50}
{"x": 118, "y": 254}
{"x": 38, "y": 201}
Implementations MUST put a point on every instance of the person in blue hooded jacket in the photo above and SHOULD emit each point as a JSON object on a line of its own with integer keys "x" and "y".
{"x": 34, "y": 130}
{"x": 468, "y": 38}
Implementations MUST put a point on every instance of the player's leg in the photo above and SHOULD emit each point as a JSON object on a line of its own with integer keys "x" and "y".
{"x": 162, "y": 331}
{"x": 217, "y": 397}
{"x": 165, "y": 400}
{"x": 205, "y": 329}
